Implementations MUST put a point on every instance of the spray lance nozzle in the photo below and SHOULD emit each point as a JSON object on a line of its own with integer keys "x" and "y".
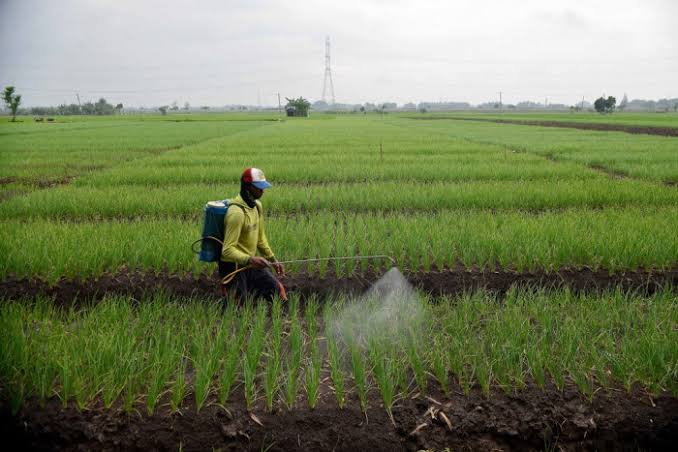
{"x": 228, "y": 278}
{"x": 337, "y": 258}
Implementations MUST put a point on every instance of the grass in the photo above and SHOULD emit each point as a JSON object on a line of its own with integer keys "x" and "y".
{"x": 174, "y": 348}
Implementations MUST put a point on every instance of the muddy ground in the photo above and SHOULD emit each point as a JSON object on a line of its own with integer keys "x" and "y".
{"x": 530, "y": 419}
{"x": 647, "y": 130}
{"x": 446, "y": 282}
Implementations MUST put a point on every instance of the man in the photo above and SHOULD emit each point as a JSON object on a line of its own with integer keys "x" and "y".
{"x": 244, "y": 236}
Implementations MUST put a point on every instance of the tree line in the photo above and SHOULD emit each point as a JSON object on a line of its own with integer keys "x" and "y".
{"x": 100, "y": 107}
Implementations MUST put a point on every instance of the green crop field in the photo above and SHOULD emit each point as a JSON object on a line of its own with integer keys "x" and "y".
{"x": 429, "y": 193}
{"x": 86, "y": 199}
{"x": 659, "y": 119}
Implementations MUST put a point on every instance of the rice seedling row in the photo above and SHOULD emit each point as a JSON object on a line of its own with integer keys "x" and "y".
{"x": 406, "y": 197}
{"x": 613, "y": 239}
{"x": 473, "y": 340}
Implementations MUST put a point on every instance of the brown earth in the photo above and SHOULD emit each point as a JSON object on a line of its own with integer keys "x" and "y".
{"x": 7, "y": 180}
{"x": 446, "y": 282}
{"x": 528, "y": 419}
{"x": 647, "y": 130}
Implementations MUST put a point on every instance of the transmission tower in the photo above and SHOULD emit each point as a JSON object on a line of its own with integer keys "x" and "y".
{"x": 328, "y": 72}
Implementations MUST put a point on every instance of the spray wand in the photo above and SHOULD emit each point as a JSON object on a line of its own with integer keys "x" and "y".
{"x": 228, "y": 278}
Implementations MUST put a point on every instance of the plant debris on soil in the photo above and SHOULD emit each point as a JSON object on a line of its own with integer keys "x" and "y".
{"x": 529, "y": 419}
{"x": 646, "y": 130}
{"x": 137, "y": 284}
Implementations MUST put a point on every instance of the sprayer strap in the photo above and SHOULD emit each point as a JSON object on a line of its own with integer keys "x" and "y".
{"x": 209, "y": 237}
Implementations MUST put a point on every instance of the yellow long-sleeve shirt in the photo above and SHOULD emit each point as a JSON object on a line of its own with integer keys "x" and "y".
{"x": 244, "y": 233}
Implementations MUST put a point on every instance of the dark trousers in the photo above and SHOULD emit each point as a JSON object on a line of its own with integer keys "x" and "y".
{"x": 252, "y": 283}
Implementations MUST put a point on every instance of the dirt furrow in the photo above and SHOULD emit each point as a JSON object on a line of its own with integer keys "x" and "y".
{"x": 454, "y": 281}
{"x": 645, "y": 130}
{"x": 532, "y": 418}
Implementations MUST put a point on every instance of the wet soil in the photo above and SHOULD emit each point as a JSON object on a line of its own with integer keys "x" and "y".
{"x": 445, "y": 282}
{"x": 530, "y": 419}
{"x": 647, "y": 130}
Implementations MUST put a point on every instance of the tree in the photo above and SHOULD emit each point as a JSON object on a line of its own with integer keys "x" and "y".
{"x": 118, "y": 108}
{"x": 12, "y": 100}
{"x": 187, "y": 106}
{"x": 163, "y": 110}
{"x": 297, "y": 107}
{"x": 603, "y": 105}
{"x": 88, "y": 108}
{"x": 103, "y": 108}
{"x": 174, "y": 106}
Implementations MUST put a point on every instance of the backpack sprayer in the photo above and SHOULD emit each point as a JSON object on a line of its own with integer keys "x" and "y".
{"x": 212, "y": 241}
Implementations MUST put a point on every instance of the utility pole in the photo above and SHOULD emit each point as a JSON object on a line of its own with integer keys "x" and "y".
{"x": 500, "y": 104}
{"x": 582, "y": 103}
{"x": 279, "y": 105}
{"x": 328, "y": 72}
{"x": 78, "y": 96}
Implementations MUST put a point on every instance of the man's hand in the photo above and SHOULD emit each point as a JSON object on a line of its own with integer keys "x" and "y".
{"x": 259, "y": 262}
{"x": 279, "y": 269}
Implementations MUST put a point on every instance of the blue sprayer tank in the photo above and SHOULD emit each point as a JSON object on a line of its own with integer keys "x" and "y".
{"x": 215, "y": 213}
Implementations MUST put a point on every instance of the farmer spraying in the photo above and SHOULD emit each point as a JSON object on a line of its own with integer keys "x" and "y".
{"x": 232, "y": 234}
{"x": 243, "y": 273}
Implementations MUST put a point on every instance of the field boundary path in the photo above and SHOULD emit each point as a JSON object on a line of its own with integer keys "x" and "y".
{"x": 644, "y": 130}
{"x": 451, "y": 282}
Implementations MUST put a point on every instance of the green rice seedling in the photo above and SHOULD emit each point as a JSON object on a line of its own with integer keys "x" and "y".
{"x": 234, "y": 345}
{"x": 273, "y": 360}
{"x": 161, "y": 367}
{"x": 335, "y": 358}
{"x": 416, "y": 361}
{"x": 15, "y": 351}
{"x": 359, "y": 373}
{"x": 252, "y": 356}
{"x": 179, "y": 387}
{"x": 271, "y": 376}
{"x": 439, "y": 364}
{"x": 385, "y": 371}
{"x": 535, "y": 364}
{"x": 294, "y": 356}
{"x": 204, "y": 351}
{"x": 312, "y": 375}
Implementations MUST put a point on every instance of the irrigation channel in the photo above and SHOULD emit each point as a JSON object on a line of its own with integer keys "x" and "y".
{"x": 390, "y": 369}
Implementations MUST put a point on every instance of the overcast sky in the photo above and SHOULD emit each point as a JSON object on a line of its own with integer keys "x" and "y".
{"x": 148, "y": 53}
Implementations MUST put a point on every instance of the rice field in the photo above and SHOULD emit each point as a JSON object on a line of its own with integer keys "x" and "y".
{"x": 84, "y": 199}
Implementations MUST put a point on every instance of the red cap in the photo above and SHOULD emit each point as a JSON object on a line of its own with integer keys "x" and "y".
{"x": 256, "y": 177}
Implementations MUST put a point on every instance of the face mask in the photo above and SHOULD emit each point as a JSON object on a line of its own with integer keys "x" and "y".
{"x": 246, "y": 195}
